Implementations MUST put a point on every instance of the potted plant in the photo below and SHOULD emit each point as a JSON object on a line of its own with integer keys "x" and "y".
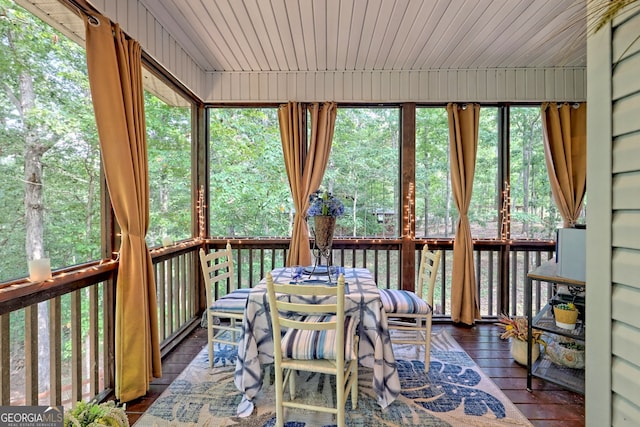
{"x": 96, "y": 414}
{"x": 566, "y": 315}
{"x": 516, "y": 329}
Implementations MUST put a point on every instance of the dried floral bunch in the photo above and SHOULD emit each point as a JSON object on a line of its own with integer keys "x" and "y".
{"x": 516, "y": 328}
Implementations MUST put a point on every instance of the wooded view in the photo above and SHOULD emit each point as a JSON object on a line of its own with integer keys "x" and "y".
{"x": 52, "y": 192}
{"x": 51, "y": 188}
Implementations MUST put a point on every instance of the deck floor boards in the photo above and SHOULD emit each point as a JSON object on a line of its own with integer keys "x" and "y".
{"x": 548, "y": 405}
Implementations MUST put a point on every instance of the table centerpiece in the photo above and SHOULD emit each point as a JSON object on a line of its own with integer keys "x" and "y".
{"x": 324, "y": 208}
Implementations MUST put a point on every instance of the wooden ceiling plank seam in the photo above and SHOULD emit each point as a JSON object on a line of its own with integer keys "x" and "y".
{"x": 143, "y": 12}
{"x": 394, "y": 25}
{"x": 265, "y": 11}
{"x": 426, "y": 35}
{"x": 526, "y": 25}
{"x": 254, "y": 35}
{"x": 109, "y": 9}
{"x": 150, "y": 26}
{"x": 464, "y": 29}
{"x": 344, "y": 32}
{"x": 371, "y": 13}
{"x": 320, "y": 29}
{"x": 394, "y": 21}
{"x": 217, "y": 56}
{"x": 440, "y": 32}
{"x": 406, "y": 34}
{"x": 209, "y": 35}
{"x": 469, "y": 43}
{"x": 214, "y": 44}
{"x": 332, "y": 15}
{"x": 549, "y": 45}
{"x": 566, "y": 32}
{"x": 297, "y": 32}
{"x": 504, "y": 13}
{"x": 132, "y": 12}
{"x": 379, "y": 32}
{"x": 286, "y": 35}
{"x": 165, "y": 38}
{"x": 308, "y": 25}
{"x": 122, "y": 16}
{"x": 169, "y": 15}
{"x": 230, "y": 34}
{"x": 355, "y": 37}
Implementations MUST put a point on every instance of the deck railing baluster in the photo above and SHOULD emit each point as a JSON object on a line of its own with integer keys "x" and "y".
{"x": 76, "y": 346}
{"x": 5, "y": 367}
{"x": 31, "y": 354}
{"x": 88, "y": 369}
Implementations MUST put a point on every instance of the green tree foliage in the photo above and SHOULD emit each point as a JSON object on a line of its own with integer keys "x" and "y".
{"x": 250, "y": 193}
{"x": 433, "y": 210}
{"x": 533, "y": 211}
{"x": 169, "y": 155}
{"x": 48, "y": 124}
{"x": 363, "y": 170}
{"x": 483, "y": 211}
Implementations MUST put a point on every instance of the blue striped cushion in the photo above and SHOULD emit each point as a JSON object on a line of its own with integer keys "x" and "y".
{"x": 400, "y": 301}
{"x": 309, "y": 345}
{"x": 233, "y": 302}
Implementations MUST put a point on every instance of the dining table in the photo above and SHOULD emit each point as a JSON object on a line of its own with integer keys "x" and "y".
{"x": 362, "y": 299}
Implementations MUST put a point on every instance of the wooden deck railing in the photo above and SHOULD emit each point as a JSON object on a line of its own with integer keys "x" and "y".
{"x": 56, "y": 337}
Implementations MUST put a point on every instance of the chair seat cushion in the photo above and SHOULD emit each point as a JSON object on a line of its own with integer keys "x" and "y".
{"x": 309, "y": 345}
{"x": 403, "y": 302}
{"x": 234, "y": 302}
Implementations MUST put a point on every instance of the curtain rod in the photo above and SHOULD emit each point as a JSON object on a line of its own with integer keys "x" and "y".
{"x": 84, "y": 9}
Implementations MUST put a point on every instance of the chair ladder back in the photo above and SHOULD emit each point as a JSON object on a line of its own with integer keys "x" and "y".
{"x": 290, "y": 306}
{"x": 284, "y": 306}
{"x": 428, "y": 271}
{"x": 218, "y": 267}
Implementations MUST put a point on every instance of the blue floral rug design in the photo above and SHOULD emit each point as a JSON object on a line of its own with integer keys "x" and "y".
{"x": 455, "y": 392}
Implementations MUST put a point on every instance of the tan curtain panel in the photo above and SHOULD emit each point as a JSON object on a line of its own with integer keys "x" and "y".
{"x": 305, "y": 164}
{"x": 115, "y": 77}
{"x": 463, "y": 142}
{"x": 565, "y": 149}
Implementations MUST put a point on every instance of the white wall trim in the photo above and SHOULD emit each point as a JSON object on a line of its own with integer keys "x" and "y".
{"x": 599, "y": 235}
{"x": 481, "y": 85}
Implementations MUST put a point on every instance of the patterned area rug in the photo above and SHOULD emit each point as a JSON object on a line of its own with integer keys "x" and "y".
{"x": 455, "y": 392}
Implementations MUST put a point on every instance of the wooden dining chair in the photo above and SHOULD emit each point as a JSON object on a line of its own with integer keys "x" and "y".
{"x": 224, "y": 314}
{"x": 413, "y": 311}
{"x": 316, "y": 337}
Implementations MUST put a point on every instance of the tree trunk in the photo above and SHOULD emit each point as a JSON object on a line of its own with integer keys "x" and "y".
{"x": 527, "y": 149}
{"x": 354, "y": 215}
{"x": 34, "y": 214}
{"x": 448, "y": 215}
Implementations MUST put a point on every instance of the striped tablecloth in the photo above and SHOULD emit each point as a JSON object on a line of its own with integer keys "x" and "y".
{"x": 363, "y": 300}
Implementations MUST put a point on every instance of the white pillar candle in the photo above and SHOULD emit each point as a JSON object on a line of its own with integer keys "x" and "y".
{"x": 167, "y": 241}
{"x": 39, "y": 270}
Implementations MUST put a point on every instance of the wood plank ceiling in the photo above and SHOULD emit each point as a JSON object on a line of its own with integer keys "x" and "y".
{"x": 347, "y": 35}
{"x": 254, "y": 36}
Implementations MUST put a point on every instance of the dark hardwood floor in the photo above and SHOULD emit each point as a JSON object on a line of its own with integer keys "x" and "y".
{"x": 547, "y": 405}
